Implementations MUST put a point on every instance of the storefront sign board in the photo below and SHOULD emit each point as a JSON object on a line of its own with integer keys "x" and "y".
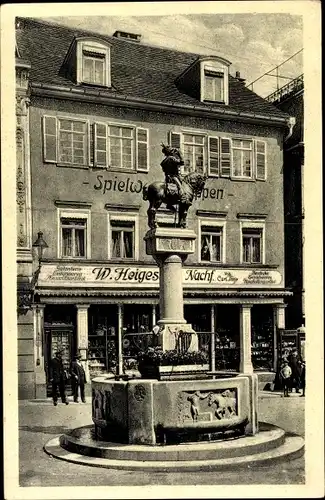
{"x": 119, "y": 276}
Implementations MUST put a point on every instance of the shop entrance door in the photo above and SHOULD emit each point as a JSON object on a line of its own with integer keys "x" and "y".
{"x": 59, "y": 337}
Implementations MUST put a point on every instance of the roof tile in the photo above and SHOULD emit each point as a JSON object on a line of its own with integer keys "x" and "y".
{"x": 138, "y": 70}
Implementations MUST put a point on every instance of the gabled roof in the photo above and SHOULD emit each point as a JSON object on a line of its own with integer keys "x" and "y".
{"x": 138, "y": 70}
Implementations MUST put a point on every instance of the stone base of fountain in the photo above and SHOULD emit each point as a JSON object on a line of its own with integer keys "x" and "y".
{"x": 271, "y": 444}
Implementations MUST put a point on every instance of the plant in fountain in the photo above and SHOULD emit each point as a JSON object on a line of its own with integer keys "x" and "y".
{"x": 151, "y": 360}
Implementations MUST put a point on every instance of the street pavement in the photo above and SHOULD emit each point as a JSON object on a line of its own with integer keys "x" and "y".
{"x": 39, "y": 421}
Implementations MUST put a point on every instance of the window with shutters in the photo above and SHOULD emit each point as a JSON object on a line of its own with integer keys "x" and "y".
{"x": 260, "y": 150}
{"x": 194, "y": 147}
{"x": 213, "y": 156}
{"x": 242, "y": 158}
{"x": 72, "y": 142}
{"x": 74, "y": 234}
{"x": 121, "y": 147}
{"x": 80, "y": 143}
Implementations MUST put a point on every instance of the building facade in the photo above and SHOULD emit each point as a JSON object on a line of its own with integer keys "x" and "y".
{"x": 92, "y": 113}
{"x": 290, "y": 99}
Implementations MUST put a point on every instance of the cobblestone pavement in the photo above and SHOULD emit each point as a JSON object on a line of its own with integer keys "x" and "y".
{"x": 41, "y": 421}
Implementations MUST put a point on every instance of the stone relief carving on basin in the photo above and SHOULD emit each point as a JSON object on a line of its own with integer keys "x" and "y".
{"x": 206, "y": 406}
{"x": 101, "y": 405}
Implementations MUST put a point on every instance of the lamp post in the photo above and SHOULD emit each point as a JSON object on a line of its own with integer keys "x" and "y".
{"x": 40, "y": 244}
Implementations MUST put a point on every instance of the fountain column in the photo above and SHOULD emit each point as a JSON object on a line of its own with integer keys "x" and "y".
{"x": 170, "y": 247}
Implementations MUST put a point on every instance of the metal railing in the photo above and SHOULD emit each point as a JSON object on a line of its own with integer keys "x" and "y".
{"x": 293, "y": 86}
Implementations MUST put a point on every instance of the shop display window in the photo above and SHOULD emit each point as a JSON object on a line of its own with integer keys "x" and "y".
{"x": 262, "y": 335}
{"x": 102, "y": 339}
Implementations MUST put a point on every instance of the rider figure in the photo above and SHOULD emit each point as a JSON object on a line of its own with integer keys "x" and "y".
{"x": 171, "y": 167}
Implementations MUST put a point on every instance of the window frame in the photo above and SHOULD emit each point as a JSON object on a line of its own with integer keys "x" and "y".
{"x": 86, "y": 141}
{"x": 94, "y": 47}
{"x": 133, "y": 138}
{"x": 252, "y": 155}
{"x": 256, "y": 224}
{"x": 215, "y": 67}
{"x": 225, "y": 153}
{"x": 215, "y": 223}
{"x": 128, "y": 217}
{"x": 204, "y": 145}
{"x": 74, "y": 213}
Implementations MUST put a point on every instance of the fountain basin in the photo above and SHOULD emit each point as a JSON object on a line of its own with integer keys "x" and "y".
{"x": 151, "y": 412}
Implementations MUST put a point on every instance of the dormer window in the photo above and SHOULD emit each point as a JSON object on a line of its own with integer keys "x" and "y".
{"x": 93, "y": 67}
{"x": 206, "y": 79}
{"x": 214, "y": 81}
{"x": 213, "y": 85}
{"x": 88, "y": 62}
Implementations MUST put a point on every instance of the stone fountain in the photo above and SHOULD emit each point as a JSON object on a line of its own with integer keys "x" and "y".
{"x": 180, "y": 422}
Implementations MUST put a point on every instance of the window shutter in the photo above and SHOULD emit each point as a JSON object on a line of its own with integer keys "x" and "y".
{"x": 260, "y": 150}
{"x": 49, "y": 139}
{"x": 91, "y": 151}
{"x": 213, "y": 156}
{"x": 100, "y": 145}
{"x": 142, "y": 151}
{"x": 175, "y": 140}
{"x": 225, "y": 157}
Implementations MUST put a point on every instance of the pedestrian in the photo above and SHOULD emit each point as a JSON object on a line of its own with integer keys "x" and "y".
{"x": 285, "y": 375}
{"x": 58, "y": 378}
{"x": 295, "y": 365}
{"x": 78, "y": 379}
{"x": 303, "y": 378}
{"x": 155, "y": 337}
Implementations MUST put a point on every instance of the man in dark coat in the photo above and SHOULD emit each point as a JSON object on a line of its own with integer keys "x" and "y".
{"x": 78, "y": 379}
{"x": 58, "y": 379}
{"x": 295, "y": 365}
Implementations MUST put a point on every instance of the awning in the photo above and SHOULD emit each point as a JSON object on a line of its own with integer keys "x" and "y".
{"x": 84, "y": 292}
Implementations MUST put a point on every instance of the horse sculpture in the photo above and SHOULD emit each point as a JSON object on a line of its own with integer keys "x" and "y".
{"x": 177, "y": 192}
{"x": 159, "y": 192}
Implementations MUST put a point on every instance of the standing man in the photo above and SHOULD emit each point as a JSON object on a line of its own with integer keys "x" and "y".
{"x": 58, "y": 378}
{"x": 295, "y": 366}
{"x": 78, "y": 379}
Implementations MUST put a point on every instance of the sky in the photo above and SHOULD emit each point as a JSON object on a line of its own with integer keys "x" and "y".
{"x": 254, "y": 43}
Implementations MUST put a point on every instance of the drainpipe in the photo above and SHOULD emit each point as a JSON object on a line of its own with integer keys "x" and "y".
{"x": 291, "y": 122}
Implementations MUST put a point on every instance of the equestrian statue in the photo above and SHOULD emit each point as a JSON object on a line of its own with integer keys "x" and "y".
{"x": 177, "y": 192}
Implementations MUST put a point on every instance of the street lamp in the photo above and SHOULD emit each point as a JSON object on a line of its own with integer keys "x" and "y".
{"x": 26, "y": 292}
{"x": 40, "y": 244}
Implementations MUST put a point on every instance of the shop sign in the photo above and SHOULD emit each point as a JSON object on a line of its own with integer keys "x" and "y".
{"x": 66, "y": 275}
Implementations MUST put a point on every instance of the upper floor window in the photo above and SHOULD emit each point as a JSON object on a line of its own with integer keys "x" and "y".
{"x": 212, "y": 240}
{"x": 242, "y": 152}
{"x": 93, "y": 67}
{"x": 214, "y": 80}
{"x": 211, "y": 244}
{"x": 236, "y": 158}
{"x": 74, "y": 234}
{"x": 122, "y": 239}
{"x": 72, "y": 141}
{"x": 193, "y": 153}
{"x": 252, "y": 245}
{"x": 93, "y": 63}
{"x": 73, "y": 237}
{"x": 123, "y": 236}
{"x": 76, "y": 142}
{"x": 214, "y": 86}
